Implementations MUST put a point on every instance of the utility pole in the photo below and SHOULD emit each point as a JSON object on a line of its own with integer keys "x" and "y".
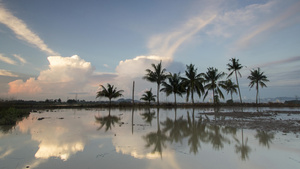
{"x": 133, "y": 92}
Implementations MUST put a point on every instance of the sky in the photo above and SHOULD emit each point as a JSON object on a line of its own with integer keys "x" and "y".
{"x": 66, "y": 49}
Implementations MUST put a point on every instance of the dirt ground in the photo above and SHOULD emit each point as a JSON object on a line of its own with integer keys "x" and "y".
{"x": 279, "y": 121}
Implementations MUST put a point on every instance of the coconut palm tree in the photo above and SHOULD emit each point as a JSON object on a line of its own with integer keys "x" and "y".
{"x": 193, "y": 82}
{"x": 257, "y": 78}
{"x": 212, "y": 81}
{"x": 174, "y": 85}
{"x": 235, "y": 68}
{"x": 148, "y": 96}
{"x": 229, "y": 86}
{"x": 110, "y": 92}
{"x": 158, "y": 76}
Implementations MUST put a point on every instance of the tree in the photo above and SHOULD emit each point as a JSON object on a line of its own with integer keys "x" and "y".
{"x": 212, "y": 81}
{"x": 257, "y": 78}
{"x": 229, "y": 86}
{"x": 110, "y": 92}
{"x": 235, "y": 68}
{"x": 192, "y": 82}
{"x": 148, "y": 96}
{"x": 158, "y": 76}
{"x": 174, "y": 85}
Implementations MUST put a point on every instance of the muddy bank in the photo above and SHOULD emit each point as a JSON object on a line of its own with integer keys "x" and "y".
{"x": 277, "y": 121}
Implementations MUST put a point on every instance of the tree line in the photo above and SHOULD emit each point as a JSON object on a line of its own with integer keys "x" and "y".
{"x": 193, "y": 83}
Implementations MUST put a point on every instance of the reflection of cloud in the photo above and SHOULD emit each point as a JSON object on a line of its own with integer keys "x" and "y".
{"x": 5, "y": 152}
{"x": 7, "y": 60}
{"x": 22, "y": 31}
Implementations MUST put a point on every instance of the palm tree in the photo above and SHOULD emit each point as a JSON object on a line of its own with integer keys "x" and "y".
{"x": 158, "y": 76}
{"x": 257, "y": 78}
{"x": 192, "y": 82}
{"x": 235, "y": 67}
{"x": 211, "y": 79}
{"x": 174, "y": 86}
{"x": 229, "y": 86}
{"x": 110, "y": 92}
{"x": 148, "y": 96}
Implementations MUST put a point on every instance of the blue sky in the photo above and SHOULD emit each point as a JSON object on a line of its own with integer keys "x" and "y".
{"x": 53, "y": 49}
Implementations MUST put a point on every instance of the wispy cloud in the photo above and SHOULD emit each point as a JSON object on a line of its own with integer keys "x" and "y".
{"x": 270, "y": 24}
{"x": 7, "y": 60}
{"x": 7, "y": 73}
{"x": 22, "y": 60}
{"x": 166, "y": 44}
{"x": 22, "y": 31}
{"x": 280, "y": 62}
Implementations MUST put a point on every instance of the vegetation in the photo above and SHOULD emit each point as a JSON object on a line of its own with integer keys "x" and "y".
{"x": 11, "y": 116}
{"x": 235, "y": 68}
{"x": 230, "y": 87}
{"x": 148, "y": 96}
{"x": 110, "y": 92}
{"x": 212, "y": 81}
{"x": 174, "y": 85}
{"x": 193, "y": 82}
{"x": 257, "y": 78}
{"x": 156, "y": 76}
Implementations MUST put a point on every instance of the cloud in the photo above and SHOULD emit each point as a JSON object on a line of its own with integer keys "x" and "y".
{"x": 166, "y": 44}
{"x": 22, "y": 60}
{"x": 64, "y": 75}
{"x": 7, "y": 73}
{"x": 7, "y": 60}
{"x": 279, "y": 20}
{"x": 22, "y": 31}
{"x": 280, "y": 62}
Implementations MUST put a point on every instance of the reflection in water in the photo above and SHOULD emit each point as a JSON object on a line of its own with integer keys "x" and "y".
{"x": 181, "y": 137}
{"x": 157, "y": 139}
{"x": 108, "y": 121}
{"x": 242, "y": 148}
{"x": 264, "y": 138}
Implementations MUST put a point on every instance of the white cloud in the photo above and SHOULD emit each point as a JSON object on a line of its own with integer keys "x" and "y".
{"x": 7, "y": 73}
{"x": 64, "y": 75}
{"x": 22, "y": 60}
{"x": 7, "y": 60}
{"x": 22, "y": 31}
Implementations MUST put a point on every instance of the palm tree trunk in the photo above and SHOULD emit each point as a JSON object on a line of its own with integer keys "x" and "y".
{"x": 237, "y": 82}
{"x": 158, "y": 86}
{"x": 214, "y": 95}
{"x": 192, "y": 94}
{"x": 256, "y": 92}
{"x": 175, "y": 98}
{"x": 231, "y": 96}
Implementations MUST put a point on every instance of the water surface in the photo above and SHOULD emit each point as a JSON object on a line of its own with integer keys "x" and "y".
{"x": 150, "y": 138}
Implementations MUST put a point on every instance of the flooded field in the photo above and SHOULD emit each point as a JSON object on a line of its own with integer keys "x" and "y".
{"x": 152, "y": 138}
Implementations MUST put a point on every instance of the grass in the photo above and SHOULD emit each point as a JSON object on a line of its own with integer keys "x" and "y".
{"x": 10, "y": 116}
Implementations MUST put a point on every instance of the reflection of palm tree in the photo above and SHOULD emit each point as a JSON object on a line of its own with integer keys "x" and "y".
{"x": 196, "y": 132}
{"x": 242, "y": 148}
{"x": 148, "y": 116}
{"x": 108, "y": 121}
{"x": 216, "y": 138}
{"x": 264, "y": 138}
{"x": 157, "y": 139}
{"x": 175, "y": 127}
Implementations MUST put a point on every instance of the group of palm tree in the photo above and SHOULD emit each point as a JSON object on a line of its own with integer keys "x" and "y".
{"x": 193, "y": 82}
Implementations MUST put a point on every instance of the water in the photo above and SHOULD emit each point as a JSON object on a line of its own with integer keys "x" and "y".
{"x": 91, "y": 138}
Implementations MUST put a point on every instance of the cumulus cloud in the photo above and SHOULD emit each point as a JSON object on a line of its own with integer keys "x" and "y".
{"x": 22, "y": 31}
{"x": 64, "y": 75}
{"x": 7, "y": 60}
